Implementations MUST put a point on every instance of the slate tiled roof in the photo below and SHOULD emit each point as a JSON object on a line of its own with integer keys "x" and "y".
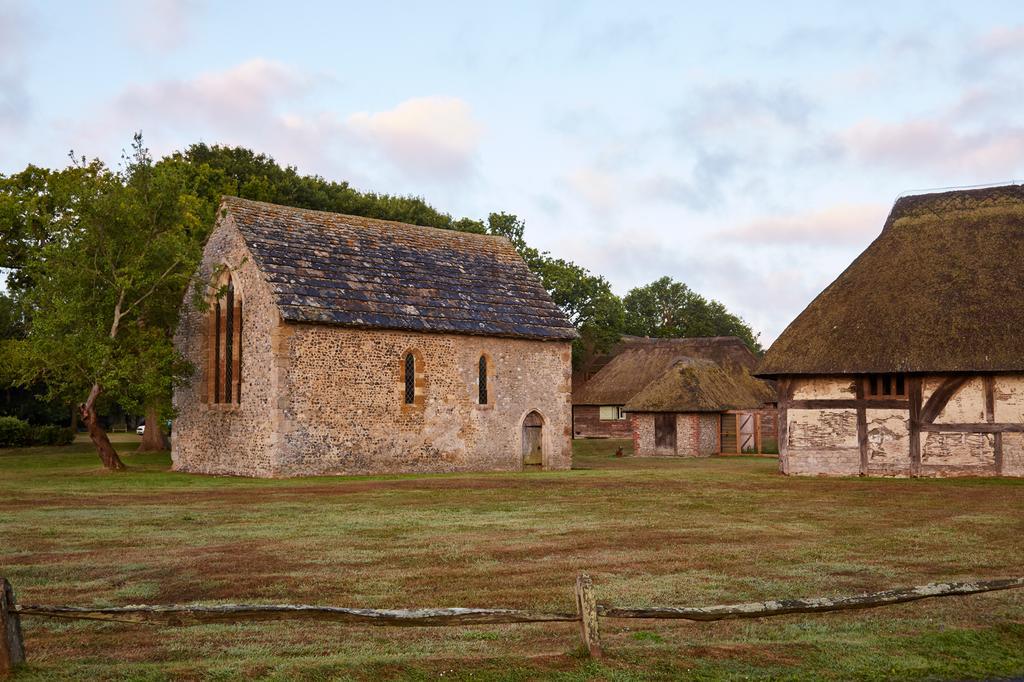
{"x": 940, "y": 290}
{"x": 346, "y": 270}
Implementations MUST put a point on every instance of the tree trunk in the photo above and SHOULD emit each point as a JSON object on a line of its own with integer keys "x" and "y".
{"x": 87, "y": 411}
{"x": 74, "y": 419}
{"x": 153, "y": 438}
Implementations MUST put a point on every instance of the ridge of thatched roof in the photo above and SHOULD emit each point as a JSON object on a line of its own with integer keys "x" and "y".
{"x": 331, "y": 268}
{"x": 940, "y": 290}
{"x": 695, "y": 385}
{"x": 643, "y": 360}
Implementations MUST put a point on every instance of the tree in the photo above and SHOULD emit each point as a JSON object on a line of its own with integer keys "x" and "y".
{"x": 585, "y": 298}
{"x": 241, "y": 172}
{"x": 666, "y": 308}
{"x": 105, "y": 285}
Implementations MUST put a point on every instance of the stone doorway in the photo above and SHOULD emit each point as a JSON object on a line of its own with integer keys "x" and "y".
{"x": 533, "y": 440}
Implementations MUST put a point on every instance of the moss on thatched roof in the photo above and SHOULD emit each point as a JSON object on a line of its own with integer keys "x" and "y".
{"x": 693, "y": 385}
{"x": 940, "y": 290}
{"x": 643, "y": 360}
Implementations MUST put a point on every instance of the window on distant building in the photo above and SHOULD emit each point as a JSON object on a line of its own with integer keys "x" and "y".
{"x": 611, "y": 413}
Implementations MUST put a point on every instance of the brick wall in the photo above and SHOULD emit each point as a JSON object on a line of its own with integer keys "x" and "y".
{"x": 696, "y": 435}
{"x": 318, "y": 399}
{"x": 587, "y": 423}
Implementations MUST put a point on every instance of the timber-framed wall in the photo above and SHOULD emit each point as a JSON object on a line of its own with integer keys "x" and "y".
{"x": 947, "y": 425}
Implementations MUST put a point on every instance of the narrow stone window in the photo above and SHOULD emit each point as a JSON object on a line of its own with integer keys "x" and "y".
{"x": 410, "y": 379}
{"x": 225, "y": 372}
{"x": 482, "y": 371}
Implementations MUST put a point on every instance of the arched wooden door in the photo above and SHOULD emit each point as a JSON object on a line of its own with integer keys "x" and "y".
{"x": 533, "y": 440}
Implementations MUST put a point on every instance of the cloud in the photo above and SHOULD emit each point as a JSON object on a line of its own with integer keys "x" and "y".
{"x": 838, "y": 225}
{"x": 427, "y": 136}
{"x": 159, "y": 25}
{"x": 235, "y": 97}
{"x": 240, "y": 105}
{"x": 612, "y": 39}
{"x": 16, "y": 29}
{"x": 259, "y": 104}
{"x": 722, "y": 108}
{"x": 597, "y": 188}
{"x": 937, "y": 144}
{"x": 1002, "y": 40}
{"x": 702, "y": 189}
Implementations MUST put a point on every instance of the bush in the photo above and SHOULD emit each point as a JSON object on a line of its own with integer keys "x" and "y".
{"x": 17, "y": 433}
{"x": 14, "y": 433}
{"x": 51, "y": 434}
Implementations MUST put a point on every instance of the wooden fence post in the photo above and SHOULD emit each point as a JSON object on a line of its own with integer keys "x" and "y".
{"x": 586, "y": 607}
{"x": 12, "y": 649}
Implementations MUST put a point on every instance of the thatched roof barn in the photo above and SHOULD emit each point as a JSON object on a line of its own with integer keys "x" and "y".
{"x": 910, "y": 363}
{"x": 699, "y": 385}
{"x": 679, "y": 379}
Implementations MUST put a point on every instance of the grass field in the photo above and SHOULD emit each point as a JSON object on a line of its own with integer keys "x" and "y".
{"x": 686, "y": 532}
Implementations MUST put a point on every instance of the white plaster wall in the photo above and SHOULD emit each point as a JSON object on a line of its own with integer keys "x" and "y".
{"x": 819, "y": 388}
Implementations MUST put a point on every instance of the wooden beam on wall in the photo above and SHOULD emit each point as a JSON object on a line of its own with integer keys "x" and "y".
{"x": 785, "y": 392}
{"x": 984, "y": 427}
{"x": 862, "y": 427}
{"x": 940, "y": 398}
{"x": 990, "y": 417}
{"x": 849, "y": 403}
{"x": 914, "y": 393}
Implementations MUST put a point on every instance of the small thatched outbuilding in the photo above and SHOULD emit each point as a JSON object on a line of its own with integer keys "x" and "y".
{"x": 912, "y": 362}
{"x": 689, "y": 397}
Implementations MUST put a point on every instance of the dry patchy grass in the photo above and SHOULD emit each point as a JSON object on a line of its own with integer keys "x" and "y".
{"x": 686, "y": 532}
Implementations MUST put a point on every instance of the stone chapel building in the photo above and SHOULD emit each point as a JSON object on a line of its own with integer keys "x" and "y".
{"x": 335, "y": 344}
{"x": 911, "y": 363}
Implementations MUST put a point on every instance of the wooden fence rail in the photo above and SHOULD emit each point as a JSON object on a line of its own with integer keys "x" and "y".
{"x": 588, "y": 612}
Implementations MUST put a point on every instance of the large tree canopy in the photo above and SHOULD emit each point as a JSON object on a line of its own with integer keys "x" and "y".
{"x": 102, "y": 275}
{"x": 666, "y": 308}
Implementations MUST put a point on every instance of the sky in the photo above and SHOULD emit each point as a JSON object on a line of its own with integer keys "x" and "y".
{"x": 750, "y": 150}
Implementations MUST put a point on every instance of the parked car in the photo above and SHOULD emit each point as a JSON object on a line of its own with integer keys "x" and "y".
{"x": 141, "y": 430}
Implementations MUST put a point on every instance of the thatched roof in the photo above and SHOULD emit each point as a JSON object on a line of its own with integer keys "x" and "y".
{"x": 361, "y": 272}
{"x": 940, "y": 290}
{"x": 693, "y": 385}
{"x": 643, "y": 360}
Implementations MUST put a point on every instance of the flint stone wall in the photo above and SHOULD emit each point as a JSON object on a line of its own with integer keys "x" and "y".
{"x": 318, "y": 399}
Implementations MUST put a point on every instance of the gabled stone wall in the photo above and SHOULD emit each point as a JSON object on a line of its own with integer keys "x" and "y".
{"x": 227, "y": 438}
{"x": 318, "y": 399}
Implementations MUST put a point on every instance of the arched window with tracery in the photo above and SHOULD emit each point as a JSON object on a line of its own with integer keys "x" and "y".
{"x": 224, "y": 374}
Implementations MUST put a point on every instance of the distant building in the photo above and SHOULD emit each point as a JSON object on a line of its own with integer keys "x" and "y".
{"x": 912, "y": 362}
{"x": 687, "y": 397}
{"x": 337, "y": 344}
